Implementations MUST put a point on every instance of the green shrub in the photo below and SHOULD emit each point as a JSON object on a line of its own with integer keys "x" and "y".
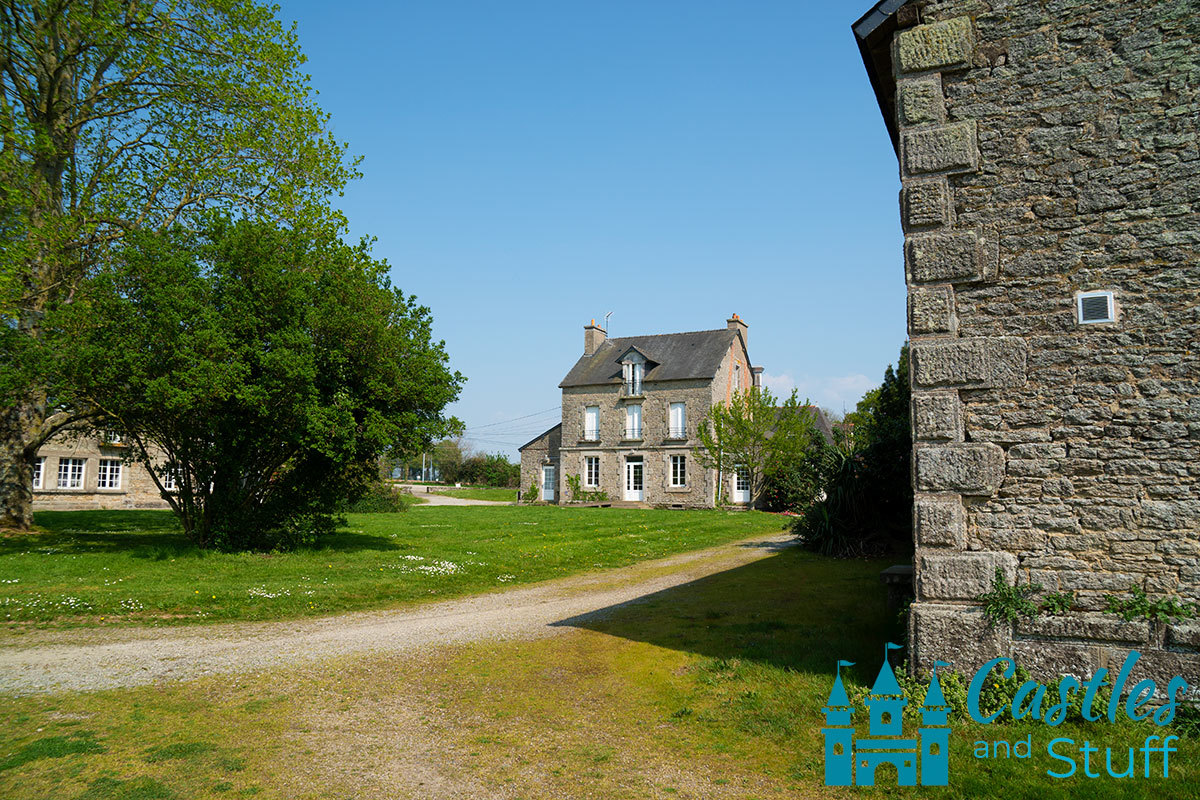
{"x": 578, "y": 495}
{"x": 381, "y": 499}
{"x": 1005, "y": 603}
{"x": 1139, "y": 606}
{"x": 1058, "y": 602}
{"x": 866, "y": 505}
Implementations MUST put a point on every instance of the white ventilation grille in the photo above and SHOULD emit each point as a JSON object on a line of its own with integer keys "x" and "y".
{"x": 1093, "y": 307}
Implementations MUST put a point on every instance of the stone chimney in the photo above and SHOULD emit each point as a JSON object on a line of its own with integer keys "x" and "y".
{"x": 757, "y": 373}
{"x": 593, "y": 337}
{"x": 735, "y": 323}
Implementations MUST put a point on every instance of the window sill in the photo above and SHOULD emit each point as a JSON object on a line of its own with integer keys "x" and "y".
{"x": 679, "y": 489}
{"x": 632, "y": 440}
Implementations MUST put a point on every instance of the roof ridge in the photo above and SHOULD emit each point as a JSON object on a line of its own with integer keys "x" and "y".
{"x": 675, "y": 333}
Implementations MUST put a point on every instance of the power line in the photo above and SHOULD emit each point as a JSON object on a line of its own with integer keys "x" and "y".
{"x": 515, "y": 419}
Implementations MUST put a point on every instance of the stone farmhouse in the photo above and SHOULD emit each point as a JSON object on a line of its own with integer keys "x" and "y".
{"x": 75, "y": 471}
{"x": 1051, "y": 209}
{"x": 630, "y": 407}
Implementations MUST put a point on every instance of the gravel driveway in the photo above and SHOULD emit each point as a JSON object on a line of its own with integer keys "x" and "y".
{"x": 82, "y": 660}
{"x": 439, "y": 499}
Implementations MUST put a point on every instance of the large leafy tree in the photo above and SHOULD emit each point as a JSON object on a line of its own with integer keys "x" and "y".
{"x": 752, "y": 432}
{"x": 118, "y": 115}
{"x": 263, "y": 371}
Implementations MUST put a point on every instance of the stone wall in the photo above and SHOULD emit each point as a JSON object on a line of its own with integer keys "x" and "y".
{"x": 137, "y": 489}
{"x": 1047, "y": 149}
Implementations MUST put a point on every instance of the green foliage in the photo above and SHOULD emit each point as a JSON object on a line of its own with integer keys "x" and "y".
{"x": 795, "y": 477}
{"x": 380, "y": 498}
{"x": 867, "y": 502}
{"x": 118, "y": 118}
{"x": 491, "y": 469}
{"x": 531, "y": 494}
{"x": 1005, "y": 603}
{"x": 1139, "y": 606}
{"x": 753, "y": 432}
{"x": 1058, "y": 602}
{"x": 578, "y": 495}
{"x": 266, "y": 369}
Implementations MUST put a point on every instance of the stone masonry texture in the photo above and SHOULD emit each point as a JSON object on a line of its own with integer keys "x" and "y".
{"x": 136, "y": 488}
{"x": 1065, "y": 139}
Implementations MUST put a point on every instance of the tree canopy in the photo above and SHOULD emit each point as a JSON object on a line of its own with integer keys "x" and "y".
{"x": 134, "y": 115}
{"x": 752, "y": 432}
{"x": 867, "y": 502}
{"x": 262, "y": 372}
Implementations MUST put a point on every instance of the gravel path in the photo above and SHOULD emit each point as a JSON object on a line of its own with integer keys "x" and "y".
{"x": 439, "y": 499}
{"x": 83, "y": 660}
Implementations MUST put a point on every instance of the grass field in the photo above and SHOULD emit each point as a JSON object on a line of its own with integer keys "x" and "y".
{"x": 482, "y": 493}
{"x": 116, "y": 567}
{"x": 712, "y": 689}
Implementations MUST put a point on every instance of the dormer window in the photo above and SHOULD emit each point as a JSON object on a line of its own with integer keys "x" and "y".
{"x": 633, "y": 369}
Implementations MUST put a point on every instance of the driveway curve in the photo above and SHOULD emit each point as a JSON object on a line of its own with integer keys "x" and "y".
{"x": 102, "y": 659}
{"x": 439, "y": 499}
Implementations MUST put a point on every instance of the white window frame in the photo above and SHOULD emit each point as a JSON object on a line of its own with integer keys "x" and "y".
{"x": 737, "y": 377}
{"x": 741, "y": 484}
{"x": 39, "y": 473}
{"x": 1109, "y": 294}
{"x": 633, "y": 371}
{"x": 109, "y": 474}
{"x": 169, "y": 480}
{"x": 633, "y": 413}
{"x": 68, "y": 478}
{"x": 591, "y": 434}
{"x": 591, "y": 472}
{"x": 677, "y": 428}
{"x": 112, "y": 437}
{"x": 678, "y": 466}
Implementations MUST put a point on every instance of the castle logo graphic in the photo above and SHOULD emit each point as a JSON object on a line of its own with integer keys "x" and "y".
{"x": 851, "y": 762}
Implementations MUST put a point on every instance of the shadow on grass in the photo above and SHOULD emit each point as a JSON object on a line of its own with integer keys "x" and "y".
{"x": 792, "y": 610}
{"x": 154, "y": 535}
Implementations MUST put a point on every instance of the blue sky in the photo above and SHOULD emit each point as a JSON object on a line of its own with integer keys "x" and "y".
{"x": 530, "y": 166}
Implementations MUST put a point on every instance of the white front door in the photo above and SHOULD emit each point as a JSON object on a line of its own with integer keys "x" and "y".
{"x": 634, "y": 484}
{"x": 548, "y": 484}
{"x": 741, "y": 485}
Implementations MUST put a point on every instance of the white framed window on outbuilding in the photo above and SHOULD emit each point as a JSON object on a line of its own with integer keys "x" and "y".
{"x": 1095, "y": 307}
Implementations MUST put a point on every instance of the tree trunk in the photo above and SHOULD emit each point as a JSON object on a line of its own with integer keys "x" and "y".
{"x": 20, "y": 428}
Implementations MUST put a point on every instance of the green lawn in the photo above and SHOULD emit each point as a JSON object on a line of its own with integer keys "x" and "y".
{"x": 482, "y": 493}
{"x": 711, "y": 689}
{"x": 114, "y": 567}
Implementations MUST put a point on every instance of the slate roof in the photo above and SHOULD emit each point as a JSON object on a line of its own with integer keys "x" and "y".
{"x": 672, "y": 357}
